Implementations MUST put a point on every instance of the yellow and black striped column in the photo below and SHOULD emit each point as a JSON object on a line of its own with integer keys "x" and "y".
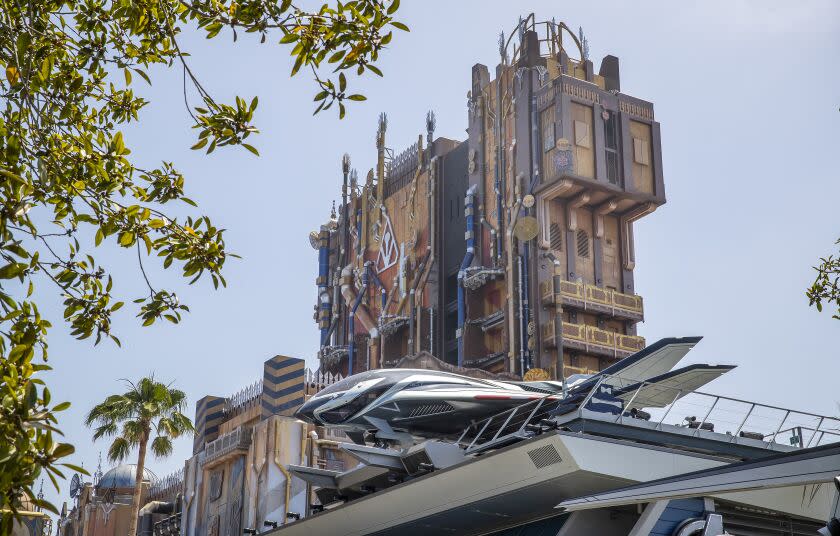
{"x": 209, "y": 414}
{"x": 283, "y": 383}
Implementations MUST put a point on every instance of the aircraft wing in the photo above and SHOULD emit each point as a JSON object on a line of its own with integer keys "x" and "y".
{"x": 652, "y": 361}
{"x": 659, "y": 391}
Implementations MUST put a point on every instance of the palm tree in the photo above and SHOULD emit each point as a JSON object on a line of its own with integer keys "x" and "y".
{"x": 148, "y": 408}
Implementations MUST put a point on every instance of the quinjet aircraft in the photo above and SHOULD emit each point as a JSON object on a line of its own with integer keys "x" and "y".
{"x": 392, "y": 405}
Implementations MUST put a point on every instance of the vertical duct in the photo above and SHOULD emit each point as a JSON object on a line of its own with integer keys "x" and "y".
{"x": 469, "y": 212}
{"x": 324, "y": 305}
{"x": 351, "y": 347}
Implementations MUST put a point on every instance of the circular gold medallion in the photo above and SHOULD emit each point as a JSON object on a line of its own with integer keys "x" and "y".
{"x": 526, "y": 228}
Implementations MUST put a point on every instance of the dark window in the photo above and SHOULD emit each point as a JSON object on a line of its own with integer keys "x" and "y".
{"x": 611, "y": 144}
{"x": 582, "y": 244}
{"x": 451, "y": 325}
{"x": 556, "y": 237}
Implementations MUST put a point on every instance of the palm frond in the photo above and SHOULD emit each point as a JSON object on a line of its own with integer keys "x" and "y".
{"x": 119, "y": 449}
{"x": 161, "y": 446}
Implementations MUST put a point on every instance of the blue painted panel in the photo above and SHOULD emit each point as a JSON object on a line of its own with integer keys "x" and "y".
{"x": 677, "y": 512}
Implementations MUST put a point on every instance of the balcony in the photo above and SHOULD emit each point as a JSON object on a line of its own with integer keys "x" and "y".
{"x": 330, "y": 465}
{"x": 232, "y": 444}
{"x": 594, "y": 299}
{"x": 592, "y": 340}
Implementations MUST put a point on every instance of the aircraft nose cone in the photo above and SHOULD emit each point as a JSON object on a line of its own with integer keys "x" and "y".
{"x": 307, "y": 411}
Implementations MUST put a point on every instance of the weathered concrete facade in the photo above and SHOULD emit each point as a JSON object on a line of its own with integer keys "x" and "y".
{"x": 237, "y": 478}
{"x": 511, "y": 250}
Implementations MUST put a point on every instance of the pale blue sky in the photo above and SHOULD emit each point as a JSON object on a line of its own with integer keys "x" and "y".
{"x": 747, "y": 92}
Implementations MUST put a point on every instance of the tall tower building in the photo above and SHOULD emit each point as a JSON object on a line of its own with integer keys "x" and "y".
{"x": 511, "y": 251}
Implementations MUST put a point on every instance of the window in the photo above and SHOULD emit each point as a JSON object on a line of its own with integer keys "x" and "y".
{"x": 582, "y": 244}
{"x": 641, "y": 151}
{"x": 611, "y": 139}
{"x": 582, "y": 134}
{"x": 555, "y": 237}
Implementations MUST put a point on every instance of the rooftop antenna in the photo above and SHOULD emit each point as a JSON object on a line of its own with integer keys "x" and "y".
{"x": 431, "y": 122}
{"x": 40, "y": 496}
{"x": 584, "y": 44}
{"x": 380, "y": 131}
{"x": 97, "y": 475}
{"x": 354, "y": 180}
{"x": 333, "y": 217}
{"x": 521, "y": 29}
{"x": 502, "y": 49}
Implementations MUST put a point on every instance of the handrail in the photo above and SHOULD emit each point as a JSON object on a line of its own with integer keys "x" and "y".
{"x": 513, "y": 421}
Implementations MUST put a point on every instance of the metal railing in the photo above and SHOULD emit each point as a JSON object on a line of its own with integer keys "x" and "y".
{"x": 317, "y": 380}
{"x": 238, "y": 439}
{"x": 584, "y": 295}
{"x": 167, "y": 487}
{"x": 243, "y": 399}
{"x": 608, "y": 341}
{"x": 733, "y": 419}
{"x": 507, "y": 426}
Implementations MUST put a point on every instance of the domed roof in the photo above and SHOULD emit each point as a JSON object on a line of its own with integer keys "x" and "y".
{"x": 123, "y": 476}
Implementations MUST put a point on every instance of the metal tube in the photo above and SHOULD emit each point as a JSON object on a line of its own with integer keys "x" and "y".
{"x": 815, "y": 432}
{"x": 469, "y": 212}
{"x": 772, "y": 439}
{"x": 706, "y": 416}
{"x": 630, "y": 403}
{"x": 521, "y": 316}
{"x": 670, "y": 407}
{"x": 351, "y": 347}
{"x": 324, "y": 305}
{"x": 752, "y": 407}
{"x": 411, "y": 335}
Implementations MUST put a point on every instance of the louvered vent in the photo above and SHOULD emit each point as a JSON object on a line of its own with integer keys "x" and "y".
{"x": 582, "y": 244}
{"x": 556, "y": 237}
{"x": 545, "y": 456}
{"x": 748, "y": 521}
{"x": 535, "y": 389}
{"x": 431, "y": 409}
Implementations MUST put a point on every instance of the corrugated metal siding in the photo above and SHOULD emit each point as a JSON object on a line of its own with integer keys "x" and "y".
{"x": 676, "y": 512}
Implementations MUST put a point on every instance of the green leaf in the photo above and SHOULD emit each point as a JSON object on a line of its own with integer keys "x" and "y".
{"x": 357, "y": 97}
{"x": 61, "y": 407}
{"x": 201, "y": 143}
{"x": 400, "y": 26}
{"x": 251, "y": 148}
{"x": 394, "y": 7}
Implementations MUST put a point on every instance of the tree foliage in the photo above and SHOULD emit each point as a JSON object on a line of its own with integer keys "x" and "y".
{"x": 69, "y": 75}
{"x": 826, "y": 286}
{"x": 149, "y": 410}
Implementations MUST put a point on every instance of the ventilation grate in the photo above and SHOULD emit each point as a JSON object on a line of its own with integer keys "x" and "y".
{"x": 431, "y": 409}
{"x": 556, "y": 237}
{"x": 545, "y": 456}
{"x": 582, "y": 244}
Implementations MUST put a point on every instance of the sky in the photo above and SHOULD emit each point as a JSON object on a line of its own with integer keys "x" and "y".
{"x": 747, "y": 93}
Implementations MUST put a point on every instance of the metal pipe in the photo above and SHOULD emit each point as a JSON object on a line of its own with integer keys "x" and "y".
{"x": 351, "y": 348}
{"x": 521, "y": 316}
{"x": 324, "y": 306}
{"x": 498, "y": 167}
{"x": 526, "y": 304}
{"x": 557, "y": 281}
{"x": 410, "y": 349}
{"x": 432, "y": 241}
{"x": 469, "y": 213}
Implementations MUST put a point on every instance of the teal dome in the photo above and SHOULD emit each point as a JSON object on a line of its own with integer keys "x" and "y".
{"x": 123, "y": 476}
